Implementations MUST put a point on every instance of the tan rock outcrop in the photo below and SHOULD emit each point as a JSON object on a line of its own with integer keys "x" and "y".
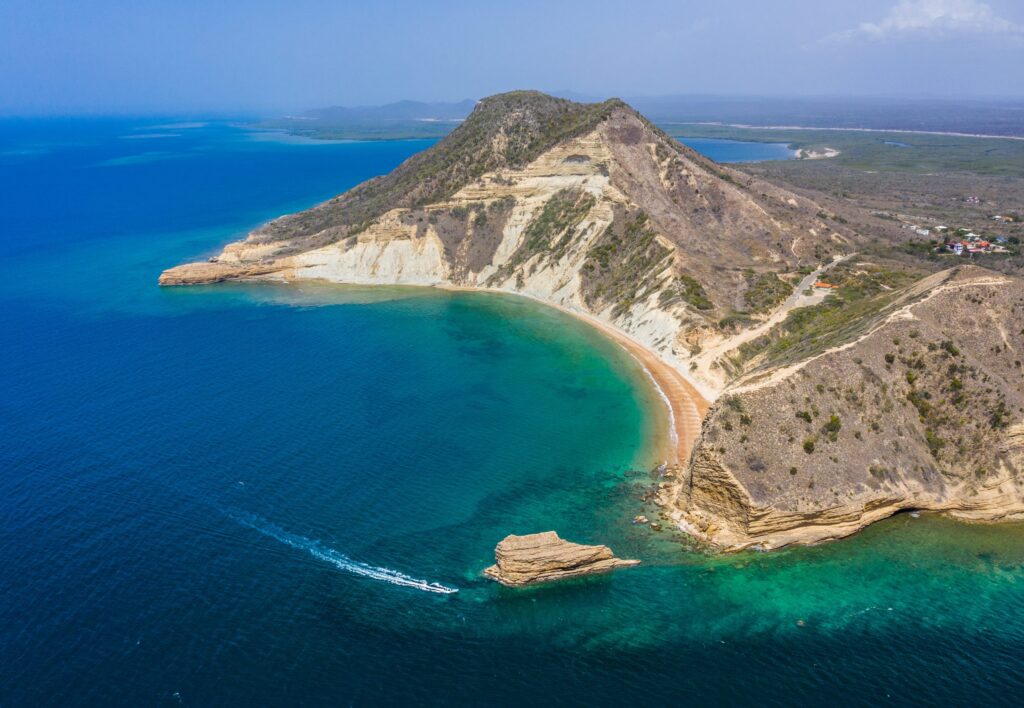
{"x": 541, "y": 557}
{"x": 920, "y": 411}
{"x": 206, "y": 273}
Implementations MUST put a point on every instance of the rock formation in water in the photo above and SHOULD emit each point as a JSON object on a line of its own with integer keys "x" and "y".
{"x": 883, "y": 387}
{"x": 542, "y": 557}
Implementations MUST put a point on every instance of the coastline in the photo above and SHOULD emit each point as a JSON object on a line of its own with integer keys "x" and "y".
{"x": 685, "y": 402}
{"x": 685, "y": 405}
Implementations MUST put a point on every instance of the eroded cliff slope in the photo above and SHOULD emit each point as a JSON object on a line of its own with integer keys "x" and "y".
{"x": 916, "y": 402}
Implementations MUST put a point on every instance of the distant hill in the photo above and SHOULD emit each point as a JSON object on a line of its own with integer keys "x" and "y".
{"x": 401, "y": 110}
{"x": 421, "y": 119}
{"x": 394, "y": 121}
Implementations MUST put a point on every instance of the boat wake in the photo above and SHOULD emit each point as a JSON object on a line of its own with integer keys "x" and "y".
{"x": 338, "y": 560}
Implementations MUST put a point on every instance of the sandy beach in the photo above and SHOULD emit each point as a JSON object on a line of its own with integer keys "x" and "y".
{"x": 686, "y": 405}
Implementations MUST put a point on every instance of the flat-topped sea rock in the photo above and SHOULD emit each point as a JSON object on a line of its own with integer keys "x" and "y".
{"x": 542, "y": 557}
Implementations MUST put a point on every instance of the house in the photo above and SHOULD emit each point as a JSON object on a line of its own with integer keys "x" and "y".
{"x": 956, "y": 248}
{"x": 823, "y": 284}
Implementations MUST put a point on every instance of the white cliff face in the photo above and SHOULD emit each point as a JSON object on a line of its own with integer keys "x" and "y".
{"x": 389, "y": 253}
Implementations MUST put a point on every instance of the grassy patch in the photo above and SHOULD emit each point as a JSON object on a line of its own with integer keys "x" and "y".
{"x": 689, "y": 290}
{"x": 623, "y": 265}
{"x": 765, "y": 292}
{"x": 864, "y": 292}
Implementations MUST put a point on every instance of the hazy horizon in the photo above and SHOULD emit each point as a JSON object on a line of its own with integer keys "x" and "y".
{"x": 259, "y": 58}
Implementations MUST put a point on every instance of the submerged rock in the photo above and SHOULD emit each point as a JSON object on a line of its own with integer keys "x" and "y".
{"x": 540, "y": 557}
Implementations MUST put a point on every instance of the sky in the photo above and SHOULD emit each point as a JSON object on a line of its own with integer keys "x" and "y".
{"x": 229, "y": 56}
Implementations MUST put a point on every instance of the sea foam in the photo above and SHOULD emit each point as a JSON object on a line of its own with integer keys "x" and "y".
{"x": 337, "y": 559}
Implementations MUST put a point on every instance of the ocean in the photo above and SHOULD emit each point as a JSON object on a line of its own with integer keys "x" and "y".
{"x": 285, "y": 495}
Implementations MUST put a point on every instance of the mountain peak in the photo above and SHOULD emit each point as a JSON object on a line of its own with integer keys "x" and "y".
{"x": 504, "y": 130}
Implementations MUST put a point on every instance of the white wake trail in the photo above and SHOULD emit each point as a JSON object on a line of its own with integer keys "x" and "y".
{"x": 338, "y": 560}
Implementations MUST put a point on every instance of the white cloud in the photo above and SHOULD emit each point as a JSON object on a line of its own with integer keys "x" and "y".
{"x": 934, "y": 18}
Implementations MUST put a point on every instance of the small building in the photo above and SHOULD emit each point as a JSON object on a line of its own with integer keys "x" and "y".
{"x": 823, "y": 284}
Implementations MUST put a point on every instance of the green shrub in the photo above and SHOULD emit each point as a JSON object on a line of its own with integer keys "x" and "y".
{"x": 935, "y": 443}
{"x": 765, "y": 292}
{"x": 832, "y": 427}
{"x": 691, "y": 291}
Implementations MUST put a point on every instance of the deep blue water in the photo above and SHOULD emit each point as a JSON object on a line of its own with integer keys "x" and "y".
{"x": 721, "y": 150}
{"x": 263, "y": 494}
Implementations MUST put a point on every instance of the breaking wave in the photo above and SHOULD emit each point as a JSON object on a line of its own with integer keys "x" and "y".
{"x": 338, "y": 560}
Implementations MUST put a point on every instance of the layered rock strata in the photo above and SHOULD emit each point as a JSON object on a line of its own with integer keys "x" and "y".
{"x": 543, "y": 557}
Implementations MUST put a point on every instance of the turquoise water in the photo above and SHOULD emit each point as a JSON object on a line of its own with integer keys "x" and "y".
{"x": 267, "y": 494}
{"x": 725, "y": 151}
